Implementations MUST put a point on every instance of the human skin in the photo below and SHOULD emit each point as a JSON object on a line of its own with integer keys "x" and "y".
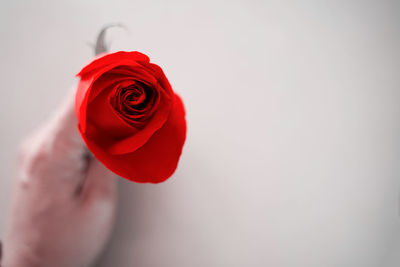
{"x": 64, "y": 201}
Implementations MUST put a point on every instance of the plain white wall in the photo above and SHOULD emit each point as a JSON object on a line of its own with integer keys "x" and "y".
{"x": 292, "y": 156}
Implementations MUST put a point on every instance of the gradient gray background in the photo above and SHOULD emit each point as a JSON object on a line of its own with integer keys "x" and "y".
{"x": 292, "y": 156}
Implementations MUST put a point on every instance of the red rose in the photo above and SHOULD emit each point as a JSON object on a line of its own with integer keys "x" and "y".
{"x": 129, "y": 116}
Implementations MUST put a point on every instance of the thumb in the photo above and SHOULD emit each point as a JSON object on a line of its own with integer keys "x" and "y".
{"x": 56, "y": 151}
{"x": 63, "y": 137}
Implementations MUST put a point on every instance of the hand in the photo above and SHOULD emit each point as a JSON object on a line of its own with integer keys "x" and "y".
{"x": 65, "y": 199}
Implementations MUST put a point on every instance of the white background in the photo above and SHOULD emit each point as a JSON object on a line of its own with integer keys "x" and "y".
{"x": 292, "y": 156}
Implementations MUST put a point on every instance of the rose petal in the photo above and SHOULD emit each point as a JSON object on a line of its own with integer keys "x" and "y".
{"x": 159, "y": 73}
{"x": 135, "y": 141}
{"x": 104, "y": 60}
{"x": 84, "y": 89}
{"x": 156, "y": 160}
{"x": 102, "y": 116}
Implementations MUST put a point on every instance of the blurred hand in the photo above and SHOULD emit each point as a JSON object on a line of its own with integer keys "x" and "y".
{"x": 65, "y": 199}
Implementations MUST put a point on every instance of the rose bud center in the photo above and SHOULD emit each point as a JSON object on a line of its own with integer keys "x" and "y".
{"x": 134, "y": 103}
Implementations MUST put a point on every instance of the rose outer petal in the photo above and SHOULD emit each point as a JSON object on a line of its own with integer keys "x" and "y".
{"x": 104, "y": 60}
{"x": 157, "y": 159}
